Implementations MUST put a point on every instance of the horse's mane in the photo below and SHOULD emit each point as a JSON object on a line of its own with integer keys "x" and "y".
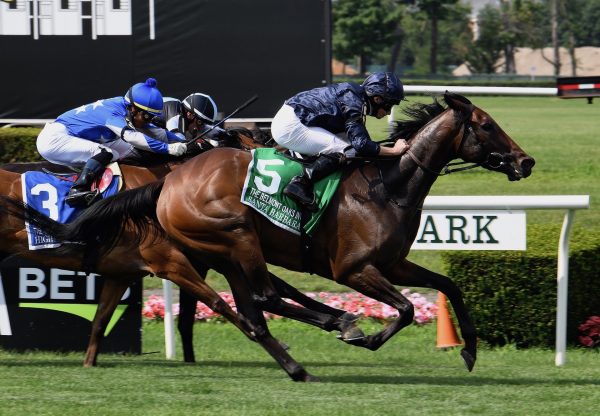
{"x": 418, "y": 115}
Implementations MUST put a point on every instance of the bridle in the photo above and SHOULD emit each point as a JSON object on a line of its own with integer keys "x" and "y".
{"x": 494, "y": 159}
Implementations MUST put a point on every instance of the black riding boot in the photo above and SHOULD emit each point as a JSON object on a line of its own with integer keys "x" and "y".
{"x": 80, "y": 194}
{"x": 300, "y": 188}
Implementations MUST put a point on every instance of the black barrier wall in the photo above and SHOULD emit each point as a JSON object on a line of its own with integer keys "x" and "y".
{"x": 51, "y": 309}
{"x": 62, "y": 56}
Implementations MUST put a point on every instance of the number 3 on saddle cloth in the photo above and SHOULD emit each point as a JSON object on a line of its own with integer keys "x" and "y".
{"x": 268, "y": 173}
{"x": 46, "y": 192}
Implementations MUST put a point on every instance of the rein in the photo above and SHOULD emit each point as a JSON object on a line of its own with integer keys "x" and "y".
{"x": 446, "y": 170}
{"x": 494, "y": 160}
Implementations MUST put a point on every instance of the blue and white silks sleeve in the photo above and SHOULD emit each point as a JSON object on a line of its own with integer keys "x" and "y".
{"x": 135, "y": 138}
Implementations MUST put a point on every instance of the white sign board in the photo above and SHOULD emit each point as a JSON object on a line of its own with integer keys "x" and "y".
{"x": 472, "y": 230}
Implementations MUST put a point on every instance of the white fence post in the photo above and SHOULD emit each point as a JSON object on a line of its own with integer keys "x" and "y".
{"x": 169, "y": 320}
{"x": 562, "y": 280}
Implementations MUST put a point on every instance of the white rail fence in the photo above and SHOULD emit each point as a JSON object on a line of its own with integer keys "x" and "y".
{"x": 568, "y": 203}
{"x": 408, "y": 89}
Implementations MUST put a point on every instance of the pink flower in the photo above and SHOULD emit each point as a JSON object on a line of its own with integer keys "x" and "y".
{"x": 357, "y": 303}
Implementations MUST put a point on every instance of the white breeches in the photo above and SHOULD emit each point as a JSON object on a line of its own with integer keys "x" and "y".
{"x": 289, "y": 132}
{"x": 56, "y": 145}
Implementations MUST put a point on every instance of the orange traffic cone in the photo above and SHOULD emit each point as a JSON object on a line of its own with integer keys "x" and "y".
{"x": 446, "y": 334}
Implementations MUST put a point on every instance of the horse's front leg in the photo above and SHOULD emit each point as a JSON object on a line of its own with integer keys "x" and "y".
{"x": 409, "y": 274}
{"x": 111, "y": 293}
{"x": 247, "y": 302}
{"x": 185, "y": 324}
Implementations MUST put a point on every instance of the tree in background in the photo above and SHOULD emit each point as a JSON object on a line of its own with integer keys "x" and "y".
{"x": 436, "y": 11}
{"x": 501, "y": 30}
{"x": 577, "y": 25}
{"x": 487, "y": 50}
{"x": 362, "y": 28}
{"x": 454, "y": 39}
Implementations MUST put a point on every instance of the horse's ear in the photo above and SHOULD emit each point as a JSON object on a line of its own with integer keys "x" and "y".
{"x": 459, "y": 103}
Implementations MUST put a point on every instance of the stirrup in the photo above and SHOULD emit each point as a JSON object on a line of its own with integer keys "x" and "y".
{"x": 296, "y": 191}
{"x": 82, "y": 199}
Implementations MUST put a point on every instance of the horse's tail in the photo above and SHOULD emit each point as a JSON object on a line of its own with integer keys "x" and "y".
{"x": 100, "y": 226}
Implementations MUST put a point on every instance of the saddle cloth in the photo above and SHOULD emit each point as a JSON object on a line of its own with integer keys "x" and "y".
{"x": 47, "y": 192}
{"x": 268, "y": 173}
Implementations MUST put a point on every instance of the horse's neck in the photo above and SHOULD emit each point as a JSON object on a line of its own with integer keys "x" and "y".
{"x": 433, "y": 147}
{"x": 135, "y": 176}
{"x": 10, "y": 184}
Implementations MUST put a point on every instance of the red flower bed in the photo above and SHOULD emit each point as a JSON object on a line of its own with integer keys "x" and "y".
{"x": 590, "y": 332}
{"x": 425, "y": 311}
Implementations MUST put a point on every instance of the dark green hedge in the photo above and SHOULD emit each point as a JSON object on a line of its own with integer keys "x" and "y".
{"x": 512, "y": 294}
{"x": 17, "y": 144}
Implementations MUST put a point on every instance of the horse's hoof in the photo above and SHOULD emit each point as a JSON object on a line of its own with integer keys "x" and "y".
{"x": 351, "y": 334}
{"x": 301, "y": 374}
{"x": 469, "y": 359}
{"x": 284, "y": 346}
{"x": 309, "y": 378}
{"x": 312, "y": 379}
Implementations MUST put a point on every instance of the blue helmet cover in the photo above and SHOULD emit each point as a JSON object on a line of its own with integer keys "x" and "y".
{"x": 146, "y": 97}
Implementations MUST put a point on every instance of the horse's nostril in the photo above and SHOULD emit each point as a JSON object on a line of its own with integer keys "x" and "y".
{"x": 526, "y": 166}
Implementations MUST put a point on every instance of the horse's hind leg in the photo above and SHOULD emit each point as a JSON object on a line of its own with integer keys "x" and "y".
{"x": 314, "y": 312}
{"x": 410, "y": 274}
{"x": 169, "y": 263}
{"x": 245, "y": 303}
{"x": 110, "y": 295}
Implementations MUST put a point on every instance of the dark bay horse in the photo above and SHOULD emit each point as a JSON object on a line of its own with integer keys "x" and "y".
{"x": 361, "y": 242}
{"x": 119, "y": 272}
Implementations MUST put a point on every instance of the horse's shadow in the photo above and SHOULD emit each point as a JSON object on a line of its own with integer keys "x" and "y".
{"x": 468, "y": 380}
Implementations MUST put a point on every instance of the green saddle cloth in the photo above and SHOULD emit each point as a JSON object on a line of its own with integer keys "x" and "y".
{"x": 268, "y": 173}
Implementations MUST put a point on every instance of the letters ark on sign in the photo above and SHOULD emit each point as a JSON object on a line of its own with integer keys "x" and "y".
{"x": 472, "y": 230}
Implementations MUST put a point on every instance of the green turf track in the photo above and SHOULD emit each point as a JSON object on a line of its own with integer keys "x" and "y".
{"x": 233, "y": 376}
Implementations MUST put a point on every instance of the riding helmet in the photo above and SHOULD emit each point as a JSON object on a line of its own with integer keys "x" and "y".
{"x": 202, "y": 105}
{"x": 386, "y": 85}
{"x": 146, "y": 97}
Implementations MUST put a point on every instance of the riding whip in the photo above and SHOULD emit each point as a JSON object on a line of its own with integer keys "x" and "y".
{"x": 233, "y": 113}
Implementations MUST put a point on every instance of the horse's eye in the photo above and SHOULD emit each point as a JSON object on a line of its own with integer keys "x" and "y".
{"x": 487, "y": 126}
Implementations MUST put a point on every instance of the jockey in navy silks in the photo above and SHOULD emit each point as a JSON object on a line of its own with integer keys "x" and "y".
{"x": 325, "y": 121}
{"x": 93, "y": 135}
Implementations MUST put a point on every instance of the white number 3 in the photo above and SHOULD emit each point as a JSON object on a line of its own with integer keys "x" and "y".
{"x": 50, "y": 203}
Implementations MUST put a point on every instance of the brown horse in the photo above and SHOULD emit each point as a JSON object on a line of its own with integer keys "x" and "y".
{"x": 362, "y": 241}
{"x": 120, "y": 272}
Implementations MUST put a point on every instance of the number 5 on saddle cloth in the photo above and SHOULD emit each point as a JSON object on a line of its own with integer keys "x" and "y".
{"x": 268, "y": 173}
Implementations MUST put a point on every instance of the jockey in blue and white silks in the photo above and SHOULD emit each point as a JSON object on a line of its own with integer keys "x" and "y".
{"x": 325, "y": 121}
{"x": 107, "y": 130}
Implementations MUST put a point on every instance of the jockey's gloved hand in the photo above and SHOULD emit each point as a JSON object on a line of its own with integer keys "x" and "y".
{"x": 204, "y": 145}
{"x": 193, "y": 148}
{"x": 177, "y": 149}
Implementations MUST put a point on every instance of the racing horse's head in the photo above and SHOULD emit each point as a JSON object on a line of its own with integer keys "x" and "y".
{"x": 483, "y": 141}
